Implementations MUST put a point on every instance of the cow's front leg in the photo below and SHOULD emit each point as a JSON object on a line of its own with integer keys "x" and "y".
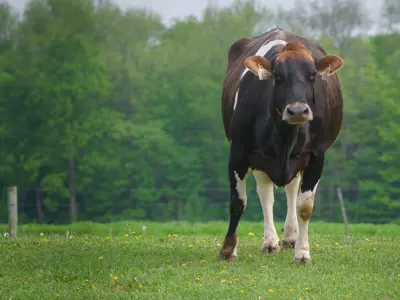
{"x": 265, "y": 191}
{"x": 291, "y": 225}
{"x": 304, "y": 206}
{"x": 238, "y": 173}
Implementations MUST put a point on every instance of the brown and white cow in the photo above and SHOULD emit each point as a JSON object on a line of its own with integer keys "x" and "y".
{"x": 282, "y": 109}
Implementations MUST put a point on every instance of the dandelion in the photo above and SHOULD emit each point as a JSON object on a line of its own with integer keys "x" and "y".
{"x": 126, "y": 235}
{"x": 115, "y": 278}
{"x": 241, "y": 291}
{"x": 101, "y": 257}
{"x": 224, "y": 281}
{"x": 317, "y": 246}
{"x": 270, "y": 290}
{"x": 204, "y": 261}
{"x": 197, "y": 278}
{"x": 250, "y": 234}
{"x": 140, "y": 285}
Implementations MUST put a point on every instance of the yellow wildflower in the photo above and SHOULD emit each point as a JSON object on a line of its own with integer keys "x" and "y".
{"x": 101, "y": 257}
{"x": 224, "y": 281}
{"x": 198, "y": 278}
{"x": 251, "y": 234}
{"x": 270, "y": 290}
{"x": 190, "y": 246}
{"x": 204, "y": 261}
{"x": 241, "y": 291}
{"x": 126, "y": 235}
{"x": 115, "y": 278}
{"x": 317, "y": 246}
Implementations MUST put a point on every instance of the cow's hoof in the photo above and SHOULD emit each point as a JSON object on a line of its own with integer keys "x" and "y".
{"x": 229, "y": 258}
{"x": 271, "y": 246}
{"x": 228, "y": 251}
{"x": 302, "y": 260}
{"x": 288, "y": 243}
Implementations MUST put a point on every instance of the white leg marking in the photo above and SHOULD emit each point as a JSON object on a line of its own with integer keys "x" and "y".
{"x": 262, "y": 51}
{"x": 291, "y": 224}
{"x": 241, "y": 187}
{"x": 265, "y": 190}
{"x": 305, "y": 204}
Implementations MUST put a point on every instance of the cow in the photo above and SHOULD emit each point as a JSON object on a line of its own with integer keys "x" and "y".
{"x": 282, "y": 109}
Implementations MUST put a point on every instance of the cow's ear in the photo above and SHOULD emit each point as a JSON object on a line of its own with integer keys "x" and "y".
{"x": 329, "y": 65}
{"x": 259, "y": 65}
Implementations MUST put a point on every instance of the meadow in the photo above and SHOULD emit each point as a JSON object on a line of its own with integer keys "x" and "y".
{"x": 132, "y": 260}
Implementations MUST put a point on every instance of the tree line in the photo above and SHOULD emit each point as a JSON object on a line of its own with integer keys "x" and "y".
{"x": 109, "y": 114}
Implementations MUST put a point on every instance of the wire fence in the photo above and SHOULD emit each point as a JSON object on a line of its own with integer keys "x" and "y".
{"x": 101, "y": 205}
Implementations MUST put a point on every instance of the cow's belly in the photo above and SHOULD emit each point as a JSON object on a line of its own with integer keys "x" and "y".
{"x": 280, "y": 171}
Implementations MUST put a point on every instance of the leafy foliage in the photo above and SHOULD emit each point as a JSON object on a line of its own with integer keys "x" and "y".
{"x": 114, "y": 115}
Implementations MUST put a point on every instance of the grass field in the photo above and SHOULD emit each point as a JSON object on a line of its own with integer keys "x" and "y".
{"x": 178, "y": 261}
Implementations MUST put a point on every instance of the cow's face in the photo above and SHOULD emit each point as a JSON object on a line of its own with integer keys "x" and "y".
{"x": 293, "y": 74}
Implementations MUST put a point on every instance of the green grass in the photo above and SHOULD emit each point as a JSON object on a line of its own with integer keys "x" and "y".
{"x": 178, "y": 261}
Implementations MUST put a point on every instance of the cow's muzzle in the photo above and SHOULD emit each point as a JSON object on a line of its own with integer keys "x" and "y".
{"x": 297, "y": 113}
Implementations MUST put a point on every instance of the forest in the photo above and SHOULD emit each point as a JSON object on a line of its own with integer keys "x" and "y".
{"x": 109, "y": 114}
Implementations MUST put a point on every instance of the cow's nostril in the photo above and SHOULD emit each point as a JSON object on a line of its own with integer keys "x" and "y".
{"x": 306, "y": 111}
{"x": 290, "y": 112}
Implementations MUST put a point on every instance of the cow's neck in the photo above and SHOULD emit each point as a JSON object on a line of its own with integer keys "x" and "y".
{"x": 286, "y": 140}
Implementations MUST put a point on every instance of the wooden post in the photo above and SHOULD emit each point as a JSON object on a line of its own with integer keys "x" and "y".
{"x": 343, "y": 209}
{"x": 12, "y": 211}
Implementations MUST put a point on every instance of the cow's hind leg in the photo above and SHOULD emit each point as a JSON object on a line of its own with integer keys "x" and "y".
{"x": 304, "y": 205}
{"x": 238, "y": 173}
{"x": 265, "y": 191}
{"x": 291, "y": 224}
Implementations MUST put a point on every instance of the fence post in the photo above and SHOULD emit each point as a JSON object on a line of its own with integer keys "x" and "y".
{"x": 343, "y": 209}
{"x": 12, "y": 211}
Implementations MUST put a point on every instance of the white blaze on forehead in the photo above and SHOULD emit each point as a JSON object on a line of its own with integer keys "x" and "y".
{"x": 267, "y": 46}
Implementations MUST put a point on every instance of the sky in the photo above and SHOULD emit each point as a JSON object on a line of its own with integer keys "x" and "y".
{"x": 177, "y": 9}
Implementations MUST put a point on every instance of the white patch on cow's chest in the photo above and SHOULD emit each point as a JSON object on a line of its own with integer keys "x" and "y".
{"x": 267, "y": 46}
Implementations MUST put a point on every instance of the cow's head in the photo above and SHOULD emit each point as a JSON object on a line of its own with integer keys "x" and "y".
{"x": 293, "y": 75}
